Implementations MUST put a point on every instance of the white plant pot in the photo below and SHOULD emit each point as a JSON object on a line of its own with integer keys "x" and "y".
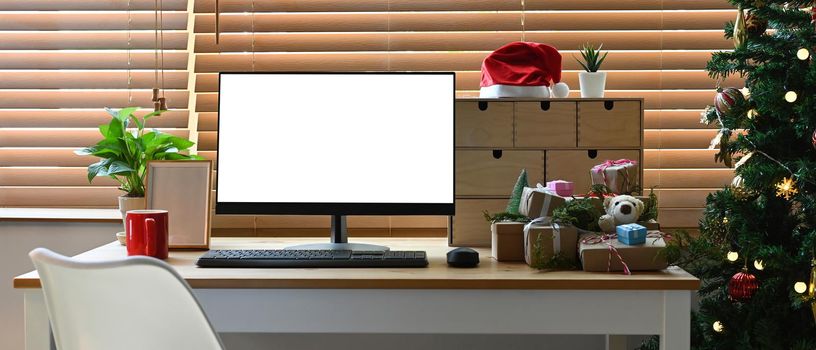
{"x": 592, "y": 84}
{"x": 130, "y": 203}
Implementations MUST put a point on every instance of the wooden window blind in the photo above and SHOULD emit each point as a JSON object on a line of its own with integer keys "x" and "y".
{"x": 61, "y": 62}
{"x": 658, "y": 50}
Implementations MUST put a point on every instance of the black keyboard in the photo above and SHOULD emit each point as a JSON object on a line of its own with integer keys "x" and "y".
{"x": 312, "y": 258}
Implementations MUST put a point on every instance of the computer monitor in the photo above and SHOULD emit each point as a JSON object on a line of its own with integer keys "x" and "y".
{"x": 336, "y": 144}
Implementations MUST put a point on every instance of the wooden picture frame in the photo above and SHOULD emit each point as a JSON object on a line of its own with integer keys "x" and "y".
{"x": 184, "y": 189}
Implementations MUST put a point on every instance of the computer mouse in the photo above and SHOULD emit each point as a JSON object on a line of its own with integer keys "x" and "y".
{"x": 463, "y": 257}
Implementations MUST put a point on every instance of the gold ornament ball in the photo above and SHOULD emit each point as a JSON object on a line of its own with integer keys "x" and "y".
{"x": 802, "y": 54}
{"x": 791, "y": 96}
{"x": 741, "y": 193}
{"x": 800, "y": 287}
{"x": 737, "y": 181}
{"x": 732, "y": 256}
{"x": 759, "y": 265}
{"x": 718, "y": 326}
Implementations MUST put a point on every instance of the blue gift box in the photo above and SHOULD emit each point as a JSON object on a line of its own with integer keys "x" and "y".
{"x": 631, "y": 234}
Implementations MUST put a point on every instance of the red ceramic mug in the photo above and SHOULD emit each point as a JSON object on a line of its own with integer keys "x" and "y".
{"x": 147, "y": 233}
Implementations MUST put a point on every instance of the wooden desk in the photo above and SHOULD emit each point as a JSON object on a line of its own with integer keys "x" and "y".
{"x": 495, "y": 298}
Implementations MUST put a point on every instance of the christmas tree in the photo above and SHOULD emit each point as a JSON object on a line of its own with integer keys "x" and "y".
{"x": 757, "y": 240}
{"x": 515, "y": 196}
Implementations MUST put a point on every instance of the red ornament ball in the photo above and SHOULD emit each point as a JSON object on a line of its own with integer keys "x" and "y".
{"x": 742, "y": 286}
{"x": 727, "y": 99}
{"x": 813, "y": 139}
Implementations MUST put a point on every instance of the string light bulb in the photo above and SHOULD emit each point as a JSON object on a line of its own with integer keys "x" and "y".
{"x": 759, "y": 265}
{"x": 718, "y": 327}
{"x": 732, "y": 256}
{"x": 752, "y": 113}
{"x": 800, "y": 287}
{"x": 803, "y": 54}
{"x": 791, "y": 96}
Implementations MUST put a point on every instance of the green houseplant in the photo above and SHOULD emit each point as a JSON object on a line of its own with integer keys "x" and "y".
{"x": 592, "y": 81}
{"x": 126, "y": 148}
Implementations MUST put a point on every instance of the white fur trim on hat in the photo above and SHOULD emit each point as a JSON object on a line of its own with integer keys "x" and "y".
{"x": 499, "y": 90}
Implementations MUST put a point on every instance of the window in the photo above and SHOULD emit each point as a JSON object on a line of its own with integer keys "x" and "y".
{"x": 61, "y": 62}
{"x": 78, "y": 60}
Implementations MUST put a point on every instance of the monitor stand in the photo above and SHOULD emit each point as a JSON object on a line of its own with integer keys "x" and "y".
{"x": 339, "y": 239}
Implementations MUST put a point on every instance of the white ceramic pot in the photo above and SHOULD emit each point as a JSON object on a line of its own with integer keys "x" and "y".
{"x": 592, "y": 84}
{"x": 130, "y": 203}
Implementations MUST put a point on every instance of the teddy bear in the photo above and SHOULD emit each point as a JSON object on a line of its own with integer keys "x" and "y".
{"x": 620, "y": 210}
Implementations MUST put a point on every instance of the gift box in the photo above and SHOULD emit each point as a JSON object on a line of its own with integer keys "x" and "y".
{"x": 548, "y": 240}
{"x": 539, "y": 202}
{"x": 599, "y": 253}
{"x": 631, "y": 234}
{"x": 561, "y": 187}
{"x": 619, "y": 175}
{"x": 650, "y": 225}
{"x": 507, "y": 240}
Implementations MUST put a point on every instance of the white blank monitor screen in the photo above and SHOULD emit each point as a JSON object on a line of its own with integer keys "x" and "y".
{"x": 299, "y": 138}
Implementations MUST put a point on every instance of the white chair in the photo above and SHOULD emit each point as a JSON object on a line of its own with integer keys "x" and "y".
{"x": 134, "y": 303}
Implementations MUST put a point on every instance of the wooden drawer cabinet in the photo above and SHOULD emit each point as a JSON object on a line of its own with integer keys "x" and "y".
{"x": 470, "y": 228}
{"x": 493, "y": 172}
{"x": 545, "y": 124}
{"x": 551, "y": 138}
{"x": 484, "y": 124}
{"x": 609, "y": 124}
{"x": 575, "y": 165}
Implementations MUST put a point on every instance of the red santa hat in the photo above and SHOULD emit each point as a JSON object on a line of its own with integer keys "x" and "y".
{"x": 523, "y": 69}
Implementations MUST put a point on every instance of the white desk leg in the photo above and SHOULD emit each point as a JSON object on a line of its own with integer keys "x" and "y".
{"x": 37, "y": 328}
{"x": 676, "y": 329}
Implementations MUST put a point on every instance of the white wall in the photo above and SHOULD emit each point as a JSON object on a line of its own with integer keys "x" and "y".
{"x": 18, "y": 238}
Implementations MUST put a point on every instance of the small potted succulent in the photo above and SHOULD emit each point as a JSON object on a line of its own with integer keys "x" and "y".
{"x": 125, "y": 150}
{"x": 592, "y": 81}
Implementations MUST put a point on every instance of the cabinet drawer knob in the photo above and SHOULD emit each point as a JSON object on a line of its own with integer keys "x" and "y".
{"x": 609, "y": 105}
{"x": 592, "y": 153}
{"x": 482, "y": 105}
{"x": 497, "y": 153}
{"x": 545, "y": 105}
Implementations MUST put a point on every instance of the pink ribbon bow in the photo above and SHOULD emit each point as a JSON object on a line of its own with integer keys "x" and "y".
{"x": 610, "y": 163}
{"x": 605, "y": 238}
